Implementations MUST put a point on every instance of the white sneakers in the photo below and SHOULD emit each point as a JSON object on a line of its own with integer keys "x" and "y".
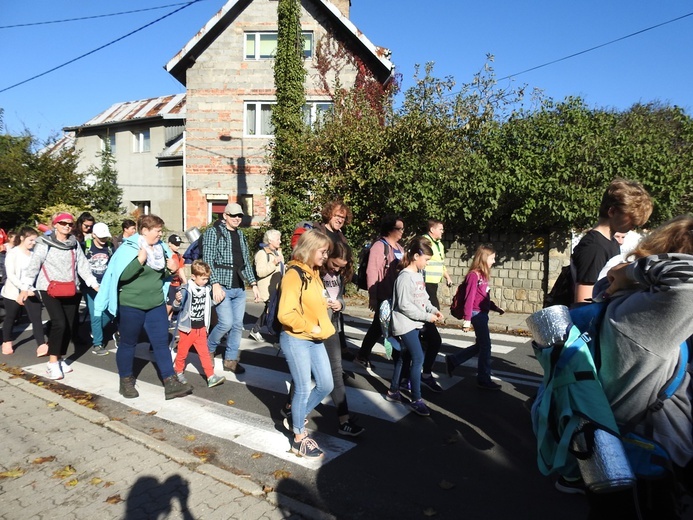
{"x": 57, "y": 370}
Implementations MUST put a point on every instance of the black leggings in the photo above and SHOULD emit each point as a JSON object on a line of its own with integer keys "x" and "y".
{"x": 63, "y": 314}
{"x": 33, "y": 309}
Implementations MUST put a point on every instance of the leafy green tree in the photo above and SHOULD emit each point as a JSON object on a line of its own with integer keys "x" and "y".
{"x": 105, "y": 194}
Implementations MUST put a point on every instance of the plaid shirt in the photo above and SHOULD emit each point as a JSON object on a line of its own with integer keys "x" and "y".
{"x": 217, "y": 252}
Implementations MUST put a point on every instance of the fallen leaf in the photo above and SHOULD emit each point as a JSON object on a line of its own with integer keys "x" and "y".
{"x": 202, "y": 452}
{"x": 429, "y": 511}
{"x": 114, "y": 499}
{"x": 52, "y": 405}
{"x": 135, "y": 412}
{"x": 281, "y": 473}
{"x": 256, "y": 455}
{"x": 267, "y": 489}
{"x": 156, "y": 430}
{"x": 95, "y": 481}
{"x": 108, "y": 484}
{"x": 42, "y": 460}
{"x": 65, "y": 472}
{"x": 444, "y": 484}
{"x": 189, "y": 438}
{"x": 153, "y": 412}
{"x": 13, "y": 473}
{"x": 71, "y": 483}
{"x": 230, "y": 402}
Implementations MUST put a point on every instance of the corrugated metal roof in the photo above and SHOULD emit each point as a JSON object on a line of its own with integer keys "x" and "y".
{"x": 165, "y": 107}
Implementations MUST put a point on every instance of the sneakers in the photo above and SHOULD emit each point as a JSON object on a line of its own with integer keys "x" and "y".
{"x": 66, "y": 369}
{"x": 488, "y": 385}
{"x": 572, "y": 487}
{"x": 256, "y": 336}
{"x": 174, "y": 388}
{"x": 363, "y": 362}
{"x": 450, "y": 365}
{"x": 181, "y": 378}
{"x": 116, "y": 339}
{"x": 215, "y": 380}
{"x": 233, "y": 366}
{"x": 127, "y": 388}
{"x": 99, "y": 350}
{"x": 350, "y": 428}
{"x": 53, "y": 371}
{"x": 405, "y": 385}
{"x": 306, "y": 447}
{"x": 431, "y": 383}
{"x": 287, "y": 422}
{"x": 396, "y": 397}
{"x": 420, "y": 408}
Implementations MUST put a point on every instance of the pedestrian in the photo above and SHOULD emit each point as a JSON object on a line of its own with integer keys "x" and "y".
{"x": 194, "y": 304}
{"x": 225, "y": 250}
{"x": 436, "y": 270}
{"x": 411, "y": 309}
{"x": 625, "y": 205}
{"x": 177, "y": 275}
{"x": 82, "y": 228}
{"x": 305, "y": 326}
{"x": 53, "y": 272}
{"x": 477, "y": 304}
{"x": 17, "y": 261}
{"x": 134, "y": 289}
{"x": 269, "y": 268}
{"x": 129, "y": 228}
{"x": 98, "y": 251}
{"x": 381, "y": 273}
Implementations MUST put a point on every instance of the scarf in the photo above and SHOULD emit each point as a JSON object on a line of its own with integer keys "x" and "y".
{"x": 156, "y": 259}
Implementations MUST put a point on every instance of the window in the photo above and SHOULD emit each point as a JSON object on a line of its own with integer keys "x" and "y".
{"x": 143, "y": 207}
{"x": 246, "y": 202}
{"x": 263, "y": 45}
{"x": 111, "y": 140}
{"x": 141, "y": 141}
{"x": 313, "y": 112}
{"x": 258, "y": 119}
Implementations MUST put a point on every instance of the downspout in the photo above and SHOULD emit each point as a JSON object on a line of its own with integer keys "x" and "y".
{"x": 185, "y": 183}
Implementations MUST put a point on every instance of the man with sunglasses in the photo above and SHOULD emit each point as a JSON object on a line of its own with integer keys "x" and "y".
{"x": 225, "y": 249}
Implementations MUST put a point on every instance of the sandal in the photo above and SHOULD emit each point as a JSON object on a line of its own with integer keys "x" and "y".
{"x": 7, "y": 348}
{"x": 42, "y": 350}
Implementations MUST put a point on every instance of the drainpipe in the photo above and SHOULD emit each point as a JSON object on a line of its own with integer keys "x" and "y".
{"x": 185, "y": 182}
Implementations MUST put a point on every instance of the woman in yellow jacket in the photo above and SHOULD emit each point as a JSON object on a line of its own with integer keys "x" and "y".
{"x": 305, "y": 325}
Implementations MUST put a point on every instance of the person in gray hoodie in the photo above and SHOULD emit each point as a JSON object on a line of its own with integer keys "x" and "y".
{"x": 58, "y": 257}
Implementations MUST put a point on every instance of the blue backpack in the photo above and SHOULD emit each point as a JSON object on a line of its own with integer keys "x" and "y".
{"x": 271, "y": 327}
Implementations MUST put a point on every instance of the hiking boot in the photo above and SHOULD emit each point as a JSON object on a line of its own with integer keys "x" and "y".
{"x": 233, "y": 366}
{"x": 174, "y": 388}
{"x": 431, "y": 383}
{"x": 215, "y": 380}
{"x": 420, "y": 408}
{"x": 488, "y": 385}
{"x": 66, "y": 369}
{"x": 396, "y": 397}
{"x": 572, "y": 487}
{"x": 181, "y": 378}
{"x": 127, "y": 387}
{"x": 350, "y": 428}
{"x": 306, "y": 447}
{"x": 53, "y": 371}
{"x": 99, "y": 350}
{"x": 450, "y": 365}
{"x": 256, "y": 336}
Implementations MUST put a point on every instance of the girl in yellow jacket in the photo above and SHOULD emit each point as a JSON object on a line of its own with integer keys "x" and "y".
{"x": 305, "y": 325}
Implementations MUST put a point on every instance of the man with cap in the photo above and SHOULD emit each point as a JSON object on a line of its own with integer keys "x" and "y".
{"x": 225, "y": 249}
{"x": 98, "y": 250}
{"x": 178, "y": 275}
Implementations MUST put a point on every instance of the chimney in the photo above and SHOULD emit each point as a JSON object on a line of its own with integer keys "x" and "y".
{"x": 343, "y": 6}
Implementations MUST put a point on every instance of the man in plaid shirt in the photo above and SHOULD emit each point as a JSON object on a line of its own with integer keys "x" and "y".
{"x": 225, "y": 249}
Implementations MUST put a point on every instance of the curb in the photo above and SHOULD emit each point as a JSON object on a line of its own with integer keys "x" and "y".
{"x": 244, "y": 485}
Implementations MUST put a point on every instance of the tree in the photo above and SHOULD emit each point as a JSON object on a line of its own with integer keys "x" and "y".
{"x": 106, "y": 194}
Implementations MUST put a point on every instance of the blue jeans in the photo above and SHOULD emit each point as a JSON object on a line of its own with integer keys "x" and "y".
{"x": 412, "y": 344}
{"x": 230, "y": 314}
{"x": 155, "y": 323}
{"x": 482, "y": 348}
{"x": 97, "y": 325}
{"x": 305, "y": 357}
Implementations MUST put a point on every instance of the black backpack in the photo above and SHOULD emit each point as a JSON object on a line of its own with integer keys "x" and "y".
{"x": 361, "y": 281}
{"x": 563, "y": 291}
{"x": 271, "y": 327}
{"x": 197, "y": 254}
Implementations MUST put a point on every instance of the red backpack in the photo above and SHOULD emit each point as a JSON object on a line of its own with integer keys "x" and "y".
{"x": 457, "y": 305}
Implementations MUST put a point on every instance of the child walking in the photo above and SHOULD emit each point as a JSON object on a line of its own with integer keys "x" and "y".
{"x": 477, "y": 304}
{"x": 195, "y": 303}
{"x": 411, "y": 309}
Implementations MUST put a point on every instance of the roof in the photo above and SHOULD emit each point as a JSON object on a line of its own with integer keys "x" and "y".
{"x": 178, "y": 65}
{"x": 163, "y": 107}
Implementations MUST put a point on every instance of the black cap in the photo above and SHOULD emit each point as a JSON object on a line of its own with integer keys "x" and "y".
{"x": 175, "y": 240}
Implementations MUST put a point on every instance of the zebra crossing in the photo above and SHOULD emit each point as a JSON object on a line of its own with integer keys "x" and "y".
{"x": 257, "y": 431}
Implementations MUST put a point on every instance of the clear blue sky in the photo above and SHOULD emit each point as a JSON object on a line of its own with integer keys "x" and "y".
{"x": 456, "y": 35}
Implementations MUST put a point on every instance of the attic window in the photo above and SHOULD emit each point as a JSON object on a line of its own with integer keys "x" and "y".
{"x": 263, "y": 45}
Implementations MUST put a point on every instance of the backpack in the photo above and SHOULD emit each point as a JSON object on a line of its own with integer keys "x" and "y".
{"x": 271, "y": 327}
{"x": 457, "y": 305}
{"x": 364, "y": 255}
{"x": 563, "y": 290}
{"x": 194, "y": 252}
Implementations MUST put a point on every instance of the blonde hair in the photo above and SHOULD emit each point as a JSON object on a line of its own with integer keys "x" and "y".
{"x": 675, "y": 236}
{"x": 628, "y": 197}
{"x": 200, "y": 268}
{"x": 480, "y": 260}
{"x": 309, "y": 243}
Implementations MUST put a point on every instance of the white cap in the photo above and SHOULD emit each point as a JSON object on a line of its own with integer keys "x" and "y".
{"x": 101, "y": 230}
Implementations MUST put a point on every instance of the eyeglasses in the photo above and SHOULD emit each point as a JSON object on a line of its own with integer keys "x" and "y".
{"x": 237, "y": 215}
{"x": 399, "y": 229}
{"x": 341, "y": 217}
{"x": 63, "y": 223}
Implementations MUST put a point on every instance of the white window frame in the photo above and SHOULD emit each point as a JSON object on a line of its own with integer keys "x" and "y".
{"x": 314, "y": 109}
{"x": 258, "y": 118}
{"x": 111, "y": 138}
{"x": 142, "y": 141}
{"x": 255, "y": 36}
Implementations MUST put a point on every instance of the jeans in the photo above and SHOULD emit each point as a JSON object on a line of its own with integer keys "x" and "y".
{"x": 63, "y": 314}
{"x": 430, "y": 342}
{"x": 230, "y": 314}
{"x": 410, "y": 343}
{"x": 97, "y": 325}
{"x": 482, "y": 348}
{"x": 155, "y": 323}
{"x": 305, "y": 357}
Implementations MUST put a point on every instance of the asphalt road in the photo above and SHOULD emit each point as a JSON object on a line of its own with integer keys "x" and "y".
{"x": 474, "y": 458}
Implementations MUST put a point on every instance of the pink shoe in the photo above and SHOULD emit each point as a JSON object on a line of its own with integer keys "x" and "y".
{"x": 42, "y": 350}
{"x": 7, "y": 348}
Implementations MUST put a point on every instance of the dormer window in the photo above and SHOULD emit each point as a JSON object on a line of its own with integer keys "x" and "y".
{"x": 262, "y": 45}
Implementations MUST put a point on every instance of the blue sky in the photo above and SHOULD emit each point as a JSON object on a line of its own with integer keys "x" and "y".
{"x": 454, "y": 34}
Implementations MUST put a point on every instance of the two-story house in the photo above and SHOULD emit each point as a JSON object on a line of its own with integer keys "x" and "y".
{"x": 227, "y": 68}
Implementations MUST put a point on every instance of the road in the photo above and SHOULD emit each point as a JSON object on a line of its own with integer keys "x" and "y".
{"x": 473, "y": 458}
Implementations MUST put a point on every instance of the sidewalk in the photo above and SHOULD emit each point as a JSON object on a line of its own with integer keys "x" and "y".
{"x": 59, "y": 459}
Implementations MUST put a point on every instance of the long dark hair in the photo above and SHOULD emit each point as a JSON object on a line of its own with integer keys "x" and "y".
{"x": 26, "y": 231}
{"x": 343, "y": 252}
{"x": 417, "y": 245}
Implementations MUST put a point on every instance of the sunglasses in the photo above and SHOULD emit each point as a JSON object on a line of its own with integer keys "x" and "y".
{"x": 237, "y": 215}
{"x": 63, "y": 223}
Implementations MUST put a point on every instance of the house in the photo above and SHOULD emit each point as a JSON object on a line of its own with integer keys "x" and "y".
{"x": 146, "y": 140}
{"x": 227, "y": 69}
